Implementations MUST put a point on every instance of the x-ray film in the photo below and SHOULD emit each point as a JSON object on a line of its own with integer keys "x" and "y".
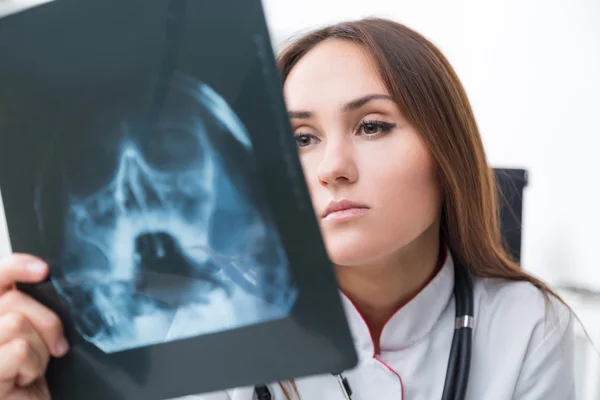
{"x": 146, "y": 155}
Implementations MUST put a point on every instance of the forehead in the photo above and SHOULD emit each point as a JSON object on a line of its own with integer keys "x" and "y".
{"x": 331, "y": 74}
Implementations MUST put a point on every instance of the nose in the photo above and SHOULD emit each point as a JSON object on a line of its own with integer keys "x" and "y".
{"x": 338, "y": 165}
{"x": 135, "y": 189}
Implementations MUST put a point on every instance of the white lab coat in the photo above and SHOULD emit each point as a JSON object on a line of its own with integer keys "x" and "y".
{"x": 519, "y": 351}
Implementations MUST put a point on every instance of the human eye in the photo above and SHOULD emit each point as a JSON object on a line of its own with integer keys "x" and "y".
{"x": 305, "y": 139}
{"x": 374, "y": 128}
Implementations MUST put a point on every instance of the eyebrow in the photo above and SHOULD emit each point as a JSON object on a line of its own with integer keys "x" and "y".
{"x": 358, "y": 103}
{"x": 350, "y": 106}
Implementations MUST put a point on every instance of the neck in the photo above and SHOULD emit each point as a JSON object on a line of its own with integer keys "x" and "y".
{"x": 380, "y": 288}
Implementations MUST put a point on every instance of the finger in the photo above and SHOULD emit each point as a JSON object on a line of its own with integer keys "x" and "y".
{"x": 46, "y": 322}
{"x": 38, "y": 390}
{"x": 21, "y": 268}
{"x": 14, "y": 326}
{"x": 19, "y": 362}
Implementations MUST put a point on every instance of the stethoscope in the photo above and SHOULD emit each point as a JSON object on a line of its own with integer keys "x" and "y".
{"x": 459, "y": 361}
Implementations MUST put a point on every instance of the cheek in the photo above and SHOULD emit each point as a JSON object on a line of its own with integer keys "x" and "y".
{"x": 403, "y": 190}
{"x": 408, "y": 197}
{"x": 310, "y": 164}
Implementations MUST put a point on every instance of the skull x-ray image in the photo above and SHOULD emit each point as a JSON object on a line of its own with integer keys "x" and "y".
{"x": 147, "y": 156}
{"x": 162, "y": 235}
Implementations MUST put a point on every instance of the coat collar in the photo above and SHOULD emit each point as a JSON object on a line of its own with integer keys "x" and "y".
{"x": 410, "y": 323}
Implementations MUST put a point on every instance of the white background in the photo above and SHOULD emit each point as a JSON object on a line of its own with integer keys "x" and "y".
{"x": 532, "y": 72}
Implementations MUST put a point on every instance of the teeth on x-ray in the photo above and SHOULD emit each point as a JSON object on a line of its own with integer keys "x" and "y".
{"x": 139, "y": 254}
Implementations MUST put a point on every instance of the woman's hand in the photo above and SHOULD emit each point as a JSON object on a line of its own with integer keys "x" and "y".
{"x": 29, "y": 332}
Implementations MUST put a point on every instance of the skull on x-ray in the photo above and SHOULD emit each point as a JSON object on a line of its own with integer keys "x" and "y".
{"x": 168, "y": 247}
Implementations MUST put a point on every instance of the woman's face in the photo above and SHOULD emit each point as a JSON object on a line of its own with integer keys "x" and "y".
{"x": 356, "y": 146}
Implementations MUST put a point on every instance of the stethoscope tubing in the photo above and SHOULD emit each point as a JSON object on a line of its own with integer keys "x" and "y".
{"x": 459, "y": 360}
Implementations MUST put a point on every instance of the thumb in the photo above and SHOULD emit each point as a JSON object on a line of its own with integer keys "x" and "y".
{"x": 8, "y": 375}
{"x": 10, "y": 369}
{"x": 38, "y": 391}
{"x": 20, "y": 268}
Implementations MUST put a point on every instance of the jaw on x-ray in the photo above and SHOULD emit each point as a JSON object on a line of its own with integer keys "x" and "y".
{"x": 167, "y": 246}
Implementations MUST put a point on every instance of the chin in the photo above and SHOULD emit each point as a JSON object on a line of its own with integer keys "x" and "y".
{"x": 353, "y": 247}
{"x": 352, "y": 253}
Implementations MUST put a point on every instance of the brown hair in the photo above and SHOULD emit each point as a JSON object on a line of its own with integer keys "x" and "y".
{"x": 432, "y": 98}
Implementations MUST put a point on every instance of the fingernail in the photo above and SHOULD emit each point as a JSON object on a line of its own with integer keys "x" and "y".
{"x": 62, "y": 347}
{"x": 36, "y": 267}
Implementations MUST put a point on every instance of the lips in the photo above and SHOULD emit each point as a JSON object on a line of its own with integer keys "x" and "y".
{"x": 344, "y": 209}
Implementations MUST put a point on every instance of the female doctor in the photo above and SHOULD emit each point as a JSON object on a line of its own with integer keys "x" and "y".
{"x": 403, "y": 194}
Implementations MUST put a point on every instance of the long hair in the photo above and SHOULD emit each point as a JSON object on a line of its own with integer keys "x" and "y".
{"x": 430, "y": 95}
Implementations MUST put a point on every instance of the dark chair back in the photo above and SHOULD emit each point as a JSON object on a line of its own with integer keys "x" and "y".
{"x": 511, "y": 184}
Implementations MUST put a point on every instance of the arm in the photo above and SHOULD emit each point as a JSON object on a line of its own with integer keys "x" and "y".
{"x": 548, "y": 370}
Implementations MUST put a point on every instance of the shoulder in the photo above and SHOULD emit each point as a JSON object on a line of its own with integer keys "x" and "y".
{"x": 520, "y": 302}
{"x": 528, "y": 333}
{"x": 523, "y": 317}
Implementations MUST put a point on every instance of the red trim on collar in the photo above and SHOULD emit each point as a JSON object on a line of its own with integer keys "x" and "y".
{"x": 393, "y": 371}
{"x": 442, "y": 259}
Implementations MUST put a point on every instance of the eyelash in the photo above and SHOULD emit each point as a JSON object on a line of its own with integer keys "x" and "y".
{"x": 383, "y": 127}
